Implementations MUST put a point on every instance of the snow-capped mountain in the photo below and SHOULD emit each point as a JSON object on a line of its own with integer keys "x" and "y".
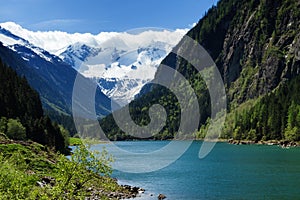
{"x": 47, "y": 73}
{"x": 77, "y": 53}
{"x": 120, "y": 72}
{"x": 120, "y": 66}
{"x": 122, "y": 63}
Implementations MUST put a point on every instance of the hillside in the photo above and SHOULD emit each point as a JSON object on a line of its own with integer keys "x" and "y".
{"x": 21, "y": 114}
{"x": 29, "y": 170}
{"x": 255, "y": 45}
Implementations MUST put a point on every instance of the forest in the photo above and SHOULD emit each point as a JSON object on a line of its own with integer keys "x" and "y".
{"x": 22, "y": 116}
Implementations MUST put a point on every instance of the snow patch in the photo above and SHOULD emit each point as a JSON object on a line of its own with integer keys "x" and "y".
{"x": 8, "y": 41}
{"x": 26, "y": 59}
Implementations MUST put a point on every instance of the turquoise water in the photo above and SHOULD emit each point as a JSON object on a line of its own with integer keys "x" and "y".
{"x": 228, "y": 172}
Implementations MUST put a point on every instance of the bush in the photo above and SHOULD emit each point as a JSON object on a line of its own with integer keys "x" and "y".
{"x": 75, "y": 174}
{"x": 15, "y": 183}
{"x": 21, "y": 167}
{"x": 15, "y": 130}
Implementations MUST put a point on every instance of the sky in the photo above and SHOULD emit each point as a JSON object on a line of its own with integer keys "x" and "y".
{"x": 95, "y": 16}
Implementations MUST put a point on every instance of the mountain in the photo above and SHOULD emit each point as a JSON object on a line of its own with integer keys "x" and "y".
{"x": 120, "y": 71}
{"x": 120, "y": 66}
{"x": 48, "y": 74}
{"x": 122, "y": 63}
{"x": 255, "y": 45}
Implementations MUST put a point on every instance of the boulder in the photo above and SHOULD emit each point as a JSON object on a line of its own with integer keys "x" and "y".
{"x": 161, "y": 197}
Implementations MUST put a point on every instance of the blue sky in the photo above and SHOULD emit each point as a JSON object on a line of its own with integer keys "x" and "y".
{"x": 95, "y": 16}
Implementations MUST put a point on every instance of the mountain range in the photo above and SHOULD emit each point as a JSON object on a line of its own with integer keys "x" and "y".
{"x": 121, "y": 63}
{"x": 254, "y": 44}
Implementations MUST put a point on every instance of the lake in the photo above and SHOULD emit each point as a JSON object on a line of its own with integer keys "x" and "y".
{"x": 228, "y": 172}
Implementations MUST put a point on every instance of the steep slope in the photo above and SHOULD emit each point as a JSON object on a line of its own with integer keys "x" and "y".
{"x": 255, "y": 45}
{"x": 48, "y": 74}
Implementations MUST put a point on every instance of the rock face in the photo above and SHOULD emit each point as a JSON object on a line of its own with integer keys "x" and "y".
{"x": 255, "y": 44}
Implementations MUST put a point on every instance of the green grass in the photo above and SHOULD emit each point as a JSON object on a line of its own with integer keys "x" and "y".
{"x": 78, "y": 141}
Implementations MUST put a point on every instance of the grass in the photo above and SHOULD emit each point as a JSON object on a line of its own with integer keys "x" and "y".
{"x": 78, "y": 141}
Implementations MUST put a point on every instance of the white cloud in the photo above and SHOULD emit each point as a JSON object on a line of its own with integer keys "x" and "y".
{"x": 55, "y": 41}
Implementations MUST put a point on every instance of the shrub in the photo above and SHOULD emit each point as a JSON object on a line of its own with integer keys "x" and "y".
{"x": 15, "y": 130}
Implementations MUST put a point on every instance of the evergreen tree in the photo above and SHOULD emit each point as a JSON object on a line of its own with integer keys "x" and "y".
{"x": 22, "y": 115}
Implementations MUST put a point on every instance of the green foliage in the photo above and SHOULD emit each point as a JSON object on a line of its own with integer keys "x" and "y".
{"x": 292, "y": 131}
{"x": 15, "y": 182}
{"x": 23, "y": 165}
{"x": 3, "y": 124}
{"x": 74, "y": 141}
{"x": 15, "y": 130}
{"x": 242, "y": 86}
{"x": 72, "y": 176}
{"x": 275, "y": 116}
{"x": 17, "y": 98}
{"x": 65, "y": 120}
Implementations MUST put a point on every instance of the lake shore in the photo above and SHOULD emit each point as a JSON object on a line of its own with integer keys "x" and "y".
{"x": 282, "y": 143}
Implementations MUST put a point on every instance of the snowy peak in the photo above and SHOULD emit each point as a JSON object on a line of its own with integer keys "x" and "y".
{"x": 24, "y": 47}
{"x": 51, "y": 41}
{"x": 7, "y": 38}
{"x": 116, "y": 63}
{"x": 82, "y": 51}
{"x": 123, "y": 64}
{"x": 78, "y": 53}
{"x": 120, "y": 72}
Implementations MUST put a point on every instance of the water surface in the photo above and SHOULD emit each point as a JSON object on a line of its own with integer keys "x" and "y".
{"x": 228, "y": 172}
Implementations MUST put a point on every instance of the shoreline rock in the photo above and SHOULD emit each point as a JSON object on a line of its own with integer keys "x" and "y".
{"x": 132, "y": 192}
{"x": 161, "y": 197}
{"x": 283, "y": 144}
